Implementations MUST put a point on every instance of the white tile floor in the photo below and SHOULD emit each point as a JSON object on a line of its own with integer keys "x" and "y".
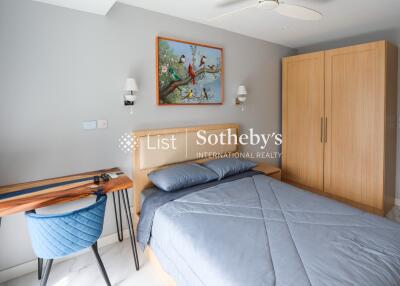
{"x": 118, "y": 260}
{"x": 83, "y": 270}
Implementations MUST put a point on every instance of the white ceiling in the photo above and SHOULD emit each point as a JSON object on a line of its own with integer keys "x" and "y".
{"x": 342, "y": 18}
{"x": 100, "y": 7}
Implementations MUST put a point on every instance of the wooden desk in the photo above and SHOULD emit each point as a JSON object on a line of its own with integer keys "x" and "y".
{"x": 33, "y": 195}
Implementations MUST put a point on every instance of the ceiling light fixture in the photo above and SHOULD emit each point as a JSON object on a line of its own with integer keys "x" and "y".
{"x": 268, "y": 4}
{"x": 288, "y": 10}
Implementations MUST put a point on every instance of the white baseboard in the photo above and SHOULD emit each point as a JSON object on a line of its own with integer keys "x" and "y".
{"x": 31, "y": 266}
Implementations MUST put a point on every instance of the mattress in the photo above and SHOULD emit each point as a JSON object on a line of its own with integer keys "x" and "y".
{"x": 260, "y": 231}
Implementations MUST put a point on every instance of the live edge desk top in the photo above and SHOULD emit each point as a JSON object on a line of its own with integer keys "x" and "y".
{"x": 33, "y": 195}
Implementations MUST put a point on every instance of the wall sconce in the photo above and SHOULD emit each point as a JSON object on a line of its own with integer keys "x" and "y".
{"x": 132, "y": 87}
{"x": 241, "y": 96}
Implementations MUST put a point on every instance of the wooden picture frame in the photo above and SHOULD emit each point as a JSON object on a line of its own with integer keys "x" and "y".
{"x": 179, "y": 84}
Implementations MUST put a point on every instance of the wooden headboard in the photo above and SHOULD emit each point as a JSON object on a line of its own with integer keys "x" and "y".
{"x": 155, "y": 149}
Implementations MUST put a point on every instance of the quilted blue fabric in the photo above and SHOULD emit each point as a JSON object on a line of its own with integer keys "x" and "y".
{"x": 55, "y": 236}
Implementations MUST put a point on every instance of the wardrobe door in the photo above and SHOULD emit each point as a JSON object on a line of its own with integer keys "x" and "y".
{"x": 302, "y": 119}
{"x": 355, "y": 113}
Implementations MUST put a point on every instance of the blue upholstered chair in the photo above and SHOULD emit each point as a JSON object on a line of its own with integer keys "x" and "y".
{"x": 56, "y": 236}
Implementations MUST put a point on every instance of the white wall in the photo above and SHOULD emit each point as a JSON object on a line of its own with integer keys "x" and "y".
{"x": 391, "y": 35}
{"x": 59, "y": 67}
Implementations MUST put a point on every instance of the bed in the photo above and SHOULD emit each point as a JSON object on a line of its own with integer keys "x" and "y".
{"x": 251, "y": 229}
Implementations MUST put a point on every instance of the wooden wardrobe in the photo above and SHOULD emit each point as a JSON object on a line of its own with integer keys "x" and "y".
{"x": 339, "y": 119}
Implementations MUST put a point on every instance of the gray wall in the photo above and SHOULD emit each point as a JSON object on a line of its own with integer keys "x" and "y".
{"x": 59, "y": 67}
{"x": 391, "y": 35}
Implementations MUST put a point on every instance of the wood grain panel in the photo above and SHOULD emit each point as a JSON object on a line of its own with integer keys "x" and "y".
{"x": 391, "y": 126}
{"x": 355, "y": 108}
{"x": 60, "y": 194}
{"x": 269, "y": 170}
{"x": 303, "y": 111}
{"x": 45, "y": 182}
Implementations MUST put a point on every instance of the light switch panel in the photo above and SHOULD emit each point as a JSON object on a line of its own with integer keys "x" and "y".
{"x": 102, "y": 123}
{"x": 89, "y": 125}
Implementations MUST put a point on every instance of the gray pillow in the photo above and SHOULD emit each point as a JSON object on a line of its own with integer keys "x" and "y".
{"x": 181, "y": 176}
{"x": 229, "y": 166}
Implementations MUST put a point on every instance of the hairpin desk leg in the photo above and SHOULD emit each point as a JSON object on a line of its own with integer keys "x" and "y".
{"x": 128, "y": 213}
{"x": 118, "y": 217}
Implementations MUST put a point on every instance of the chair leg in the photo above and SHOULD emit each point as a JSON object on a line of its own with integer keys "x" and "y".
{"x": 100, "y": 263}
{"x": 125, "y": 200}
{"x": 40, "y": 267}
{"x": 46, "y": 273}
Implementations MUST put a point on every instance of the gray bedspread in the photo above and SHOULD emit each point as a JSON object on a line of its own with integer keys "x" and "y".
{"x": 155, "y": 198}
{"x": 259, "y": 231}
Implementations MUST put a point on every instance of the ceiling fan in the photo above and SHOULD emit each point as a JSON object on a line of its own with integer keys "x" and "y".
{"x": 288, "y": 10}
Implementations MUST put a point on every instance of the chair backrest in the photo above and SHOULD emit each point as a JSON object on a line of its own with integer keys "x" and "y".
{"x": 55, "y": 236}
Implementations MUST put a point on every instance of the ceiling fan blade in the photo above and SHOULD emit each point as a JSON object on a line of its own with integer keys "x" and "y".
{"x": 298, "y": 12}
{"x": 231, "y": 3}
{"x": 231, "y": 12}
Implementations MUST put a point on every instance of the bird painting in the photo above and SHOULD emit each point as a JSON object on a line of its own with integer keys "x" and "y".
{"x": 189, "y": 73}
{"x": 203, "y": 61}
{"x": 192, "y": 74}
{"x": 205, "y": 95}
{"x": 173, "y": 74}
{"x": 189, "y": 95}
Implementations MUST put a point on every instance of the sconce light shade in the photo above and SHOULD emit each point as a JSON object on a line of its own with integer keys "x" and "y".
{"x": 241, "y": 99}
{"x": 242, "y": 90}
{"x": 241, "y": 96}
{"x": 131, "y": 85}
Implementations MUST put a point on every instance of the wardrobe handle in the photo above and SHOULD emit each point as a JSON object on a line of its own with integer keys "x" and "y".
{"x": 326, "y": 129}
{"x": 322, "y": 129}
